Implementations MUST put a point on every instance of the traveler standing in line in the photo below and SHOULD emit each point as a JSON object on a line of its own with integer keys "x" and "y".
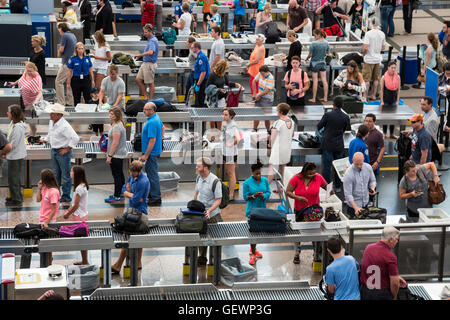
{"x": 191, "y": 58}
{"x": 281, "y": 140}
{"x": 295, "y": 49}
{"x": 16, "y": 138}
{"x": 152, "y": 140}
{"x": 37, "y": 55}
{"x": 342, "y": 274}
{"x": 201, "y": 73}
{"x": 297, "y": 17}
{"x": 146, "y": 74}
{"x": 158, "y": 15}
{"x": 311, "y": 7}
{"x": 256, "y": 191}
{"x": 86, "y": 16}
{"x": 407, "y": 15}
{"x": 296, "y": 82}
{"x": 390, "y": 93}
{"x": 387, "y": 11}
{"x": 217, "y": 48}
{"x": 332, "y": 15}
{"x": 116, "y": 152}
{"x": 147, "y": 12}
{"x": 136, "y": 188}
{"x": 252, "y": 68}
{"x": 102, "y": 57}
{"x": 304, "y": 188}
{"x": 206, "y": 12}
{"x": 239, "y": 7}
{"x": 80, "y": 76}
{"x": 209, "y": 196}
{"x": 374, "y": 42}
{"x": 413, "y": 187}
{"x": 264, "y": 96}
{"x": 379, "y": 268}
{"x": 375, "y": 143}
{"x": 62, "y": 139}
{"x": 317, "y": 52}
{"x": 48, "y": 195}
{"x": 112, "y": 89}
{"x": 430, "y": 118}
{"x": 184, "y": 22}
{"x": 66, "y": 50}
{"x": 262, "y": 18}
{"x": 359, "y": 145}
{"x": 69, "y": 13}
{"x": 356, "y": 11}
{"x": 429, "y": 56}
{"x": 335, "y": 123}
{"x": 231, "y": 138}
{"x": 420, "y": 141}
{"x": 215, "y": 20}
{"x": 359, "y": 184}
{"x": 30, "y": 84}
{"x": 79, "y": 207}
{"x": 104, "y": 18}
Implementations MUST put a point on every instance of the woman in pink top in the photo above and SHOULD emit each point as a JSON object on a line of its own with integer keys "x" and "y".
{"x": 31, "y": 90}
{"x": 390, "y": 93}
{"x": 304, "y": 188}
{"x": 48, "y": 195}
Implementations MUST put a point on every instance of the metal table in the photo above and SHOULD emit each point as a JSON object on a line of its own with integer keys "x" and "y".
{"x": 99, "y": 238}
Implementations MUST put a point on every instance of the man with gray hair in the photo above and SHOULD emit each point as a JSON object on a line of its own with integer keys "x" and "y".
{"x": 379, "y": 268}
{"x": 374, "y": 42}
{"x": 359, "y": 184}
{"x": 208, "y": 190}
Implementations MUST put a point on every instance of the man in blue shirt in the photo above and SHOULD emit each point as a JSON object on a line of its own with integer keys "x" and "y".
{"x": 152, "y": 135}
{"x": 201, "y": 73}
{"x": 146, "y": 74}
{"x": 136, "y": 188}
{"x": 65, "y": 51}
{"x": 342, "y": 273}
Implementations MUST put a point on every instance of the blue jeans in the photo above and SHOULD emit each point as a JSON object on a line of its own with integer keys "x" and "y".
{"x": 151, "y": 168}
{"x": 387, "y": 20}
{"x": 61, "y": 168}
{"x": 328, "y": 158}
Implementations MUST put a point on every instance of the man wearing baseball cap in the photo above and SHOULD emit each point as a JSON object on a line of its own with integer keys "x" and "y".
{"x": 421, "y": 141}
{"x": 62, "y": 139}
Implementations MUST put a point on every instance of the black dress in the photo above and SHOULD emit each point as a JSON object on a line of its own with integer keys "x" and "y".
{"x": 104, "y": 20}
{"x": 86, "y": 14}
{"x": 295, "y": 49}
{"x": 39, "y": 60}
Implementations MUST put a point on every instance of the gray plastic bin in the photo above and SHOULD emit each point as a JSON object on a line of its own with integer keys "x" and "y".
{"x": 167, "y": 93}
{"x": 168, "y": 181}
{"x": 234, "y": 270}
{"x": 83, "y": 277}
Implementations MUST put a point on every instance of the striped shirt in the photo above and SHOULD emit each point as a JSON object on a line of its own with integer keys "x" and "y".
{"x": 312, "y": 5}
{"x": 148, "y": 17}
{"x": 30, "y": 88}
{"x": 266, "y": 83}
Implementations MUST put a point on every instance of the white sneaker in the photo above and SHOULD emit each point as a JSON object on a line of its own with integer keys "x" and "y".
{"x": 422, "y": 85}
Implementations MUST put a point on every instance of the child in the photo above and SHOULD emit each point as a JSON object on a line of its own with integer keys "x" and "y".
{"x": 48, "y": 195}
{"x": 239, "y": 12}
{"x": 78, "y": 209}
{"x": 215, "y": 19}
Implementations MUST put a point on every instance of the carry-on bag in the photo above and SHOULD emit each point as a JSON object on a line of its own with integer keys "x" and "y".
{"x": 267, "y": 220}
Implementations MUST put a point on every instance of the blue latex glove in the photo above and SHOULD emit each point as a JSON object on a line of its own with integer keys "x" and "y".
{"x": 196, "y": 88}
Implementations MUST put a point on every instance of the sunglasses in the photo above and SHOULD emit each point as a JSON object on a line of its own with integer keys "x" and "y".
{"x": 414, "y": 121}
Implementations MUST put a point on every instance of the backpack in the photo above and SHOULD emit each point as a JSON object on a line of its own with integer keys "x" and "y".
{"x": 352, "y": 56}
{"x": 169, "y": 36}
{"x": 403, "y": 146}
{"x": 74, "y": 230}
{"x": 190, "y": 223}
{"x": 303, "y": 81}
{"x": 272, "y": 33}
{"x": 308, "y": 214}
{"x": 133, "y": 107}
{"x": 307, "y": 140}
{"x": 225, "y": 192}
{"x": 103, "y": 142}
{"x": 132, "y": 221}
{"x": 28, "y": 230}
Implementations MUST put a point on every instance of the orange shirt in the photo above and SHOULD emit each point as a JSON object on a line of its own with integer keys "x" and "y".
{"x": 254, "y": 69}
{"x": 207, "y": 6}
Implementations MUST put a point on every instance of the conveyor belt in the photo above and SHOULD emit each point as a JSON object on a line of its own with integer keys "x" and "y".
{"x": 204, "y": 291}
{"x": 135, "y": 293}
{"x": 241, "y": 230}
{"x": 279, "y": 294}
{"x": 420, "y": 291}
{"x": 211, "y": 112}
{"x": 10, "y": 244}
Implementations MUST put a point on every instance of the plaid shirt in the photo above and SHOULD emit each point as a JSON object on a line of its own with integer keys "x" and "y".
{"x": 312, "y": 5}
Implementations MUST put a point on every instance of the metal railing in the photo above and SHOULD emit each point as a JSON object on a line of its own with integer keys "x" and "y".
{"x": 442, "y": 233}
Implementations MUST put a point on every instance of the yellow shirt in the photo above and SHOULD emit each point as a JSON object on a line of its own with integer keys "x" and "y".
{"x": 70, "y": 16}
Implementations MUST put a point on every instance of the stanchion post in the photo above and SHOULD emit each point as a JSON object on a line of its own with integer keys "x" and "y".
{"x": 402, "y": 70}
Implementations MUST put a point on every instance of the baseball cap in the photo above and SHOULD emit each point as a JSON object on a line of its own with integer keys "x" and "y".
{"x": 416, "y": 117}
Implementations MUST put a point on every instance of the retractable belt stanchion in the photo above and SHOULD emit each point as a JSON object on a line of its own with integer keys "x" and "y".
{"x": 402, "y": 70}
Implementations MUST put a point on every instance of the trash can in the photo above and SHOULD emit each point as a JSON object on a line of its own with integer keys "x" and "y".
{"x": 83, "y": 277}
{"x": 234, "y": 270}
{"x": 410, "y": 64}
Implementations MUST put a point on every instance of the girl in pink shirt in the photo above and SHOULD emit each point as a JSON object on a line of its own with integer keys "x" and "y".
{"x": 48, "y": 195}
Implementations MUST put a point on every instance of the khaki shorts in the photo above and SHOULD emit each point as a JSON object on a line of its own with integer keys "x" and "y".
{"x": 147, "y": 72}
{"x": 371, "y": 72}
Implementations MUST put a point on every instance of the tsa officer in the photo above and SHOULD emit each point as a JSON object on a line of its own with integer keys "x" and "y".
{"x": 80, "y": 76}
{"x": 201, "y": 72}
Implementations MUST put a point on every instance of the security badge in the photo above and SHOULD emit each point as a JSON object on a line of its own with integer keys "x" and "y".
{"x": 200, "y": 62}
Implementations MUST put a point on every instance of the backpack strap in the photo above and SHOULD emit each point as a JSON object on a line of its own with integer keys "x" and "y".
{"x": 214, "y": 185}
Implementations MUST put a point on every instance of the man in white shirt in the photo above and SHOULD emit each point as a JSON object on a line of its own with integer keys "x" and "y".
{"x": 217, "y": 49}
{"x": 430, "y": 118}
{"x": 374, "y": 42}
{"x": 62, "y": 139}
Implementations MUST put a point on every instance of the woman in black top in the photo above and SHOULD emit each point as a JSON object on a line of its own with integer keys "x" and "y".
{"x": 104, "y": 18}
{"x": 85, "y": 15}
{"x": 295, "y": 48}
{"x": 37, "y": 55}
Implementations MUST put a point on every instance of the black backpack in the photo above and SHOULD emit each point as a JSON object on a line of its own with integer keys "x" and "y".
{"x": 403, "y": 146}
{"x": 307, "y": 140}
{"x": 28, "y": 230}
{"x": 225, "y": 192}
{"x": 137, "y": 142}
{"x": 272, "y": 33}
{"x": 133, "y": 107}
{"x": 352, "y": 56}
{"x": 131, "y": 222}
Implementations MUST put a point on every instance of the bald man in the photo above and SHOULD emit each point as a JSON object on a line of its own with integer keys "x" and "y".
{"x": 359, "y": 185}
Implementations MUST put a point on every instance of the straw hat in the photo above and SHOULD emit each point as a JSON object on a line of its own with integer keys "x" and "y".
{"x": 56, "y": 108}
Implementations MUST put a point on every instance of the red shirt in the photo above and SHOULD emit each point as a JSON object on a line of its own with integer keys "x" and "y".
{"x": 312, "y": 193}
{"x": 30, "y": 88}
{"x": 377, "y": 265}
{"x": 149, "y": 14}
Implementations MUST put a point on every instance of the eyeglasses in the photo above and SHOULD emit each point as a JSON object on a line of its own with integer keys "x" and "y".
{"x": 414, "y": 121}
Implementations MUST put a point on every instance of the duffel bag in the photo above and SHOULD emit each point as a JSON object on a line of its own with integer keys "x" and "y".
{"x": 74, "y": 230}
{"x": 191, "y": 223}
{"x": 267, "y": 220}
{"x": 307, "y": 140}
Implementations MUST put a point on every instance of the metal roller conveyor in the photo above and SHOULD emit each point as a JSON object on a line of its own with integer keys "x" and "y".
{"x": 134, "y": 293}
{"x": 10, "y": 244}
{"x": 205, "y": 291}
{"x": 420, "y": 291}
{"x": 43, "y": 152}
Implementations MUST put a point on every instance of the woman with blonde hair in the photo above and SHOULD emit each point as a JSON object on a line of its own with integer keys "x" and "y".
{"x": 262, "y": 18}
{"x": 116, "y": 152}
{"x": 31, "y": 84}
{"x": 37, "y": 55}
{"x": 219, "y": 78}
{"x": 295, "y": 49}
{"x": 80, "y": 77}
{"x": 102, "y": 57}
{"x": 215, "y": 19}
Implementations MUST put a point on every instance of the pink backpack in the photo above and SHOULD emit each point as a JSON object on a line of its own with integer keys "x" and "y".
{"x": 74, "y": 230}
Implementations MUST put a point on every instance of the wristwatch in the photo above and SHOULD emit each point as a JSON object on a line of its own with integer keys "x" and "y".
{"x": 110, "y": 156}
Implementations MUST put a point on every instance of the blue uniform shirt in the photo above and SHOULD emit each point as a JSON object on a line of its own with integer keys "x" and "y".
{"x": 140, "y": 187}
{"x": 152, "y": 44}
{"x": 152, "y": 129}
{"x": 343, "y": 273}
{"x": 178, "y": 11}
{"x": 201, "y": 64}
{"x": 80, "y": 66}
{"x": 358, "y": 145}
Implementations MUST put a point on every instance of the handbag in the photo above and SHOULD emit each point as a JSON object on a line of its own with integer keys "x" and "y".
{"x": 436, "y": 193}
{"x": 332, "y": 215}
{"x": 308, "y": 214}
